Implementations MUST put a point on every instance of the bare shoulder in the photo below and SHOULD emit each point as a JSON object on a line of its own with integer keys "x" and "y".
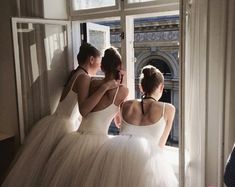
{"x": 83, "y": 76}
{"x": 129, "y": 104}
{"x": 95, "y": 82}
{"x": 81, "y": 80}
{"x": 169, "y": 109}
{"x": 94, "y": 85}
{"x": 123, "y": 90}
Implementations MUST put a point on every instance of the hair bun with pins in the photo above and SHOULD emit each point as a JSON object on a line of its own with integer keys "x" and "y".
{"x": 150, "y": 79}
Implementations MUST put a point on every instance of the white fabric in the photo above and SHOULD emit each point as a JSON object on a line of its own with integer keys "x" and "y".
{"x": 64, "y": 166}
{"x": 132, "y": 159}
{"x": 40, "y": 143}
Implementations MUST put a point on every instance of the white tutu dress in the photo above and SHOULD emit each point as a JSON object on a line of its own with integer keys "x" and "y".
{"x": 64, "y": 166}
{"x": 42, "y": 140}
{"x": 132, "y": 159}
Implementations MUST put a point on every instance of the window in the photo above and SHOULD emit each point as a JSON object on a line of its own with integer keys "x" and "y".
{"x": 136, "y": 29}
{"x": 138, "y": 1}
{"x": 90, "y": 4}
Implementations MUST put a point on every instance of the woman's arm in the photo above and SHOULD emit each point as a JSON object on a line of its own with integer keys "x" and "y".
{"x": 86, "y": 103}
{"x": 124, "y": 93}
{"x": 117, "y": 120}
{"x": 169, "y": 117}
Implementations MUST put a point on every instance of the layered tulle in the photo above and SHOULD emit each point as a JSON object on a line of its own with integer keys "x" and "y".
{"x": 39, "y": 145}
{"x": 128, "y": 161}
{"x": 74, "y": 151}
{"x": 67, "y": 164}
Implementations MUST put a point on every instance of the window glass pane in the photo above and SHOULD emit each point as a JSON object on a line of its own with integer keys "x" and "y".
{"x": 88, "y": 4}
{"x": 44, "y": 68}
{"x": 138, "y": 1}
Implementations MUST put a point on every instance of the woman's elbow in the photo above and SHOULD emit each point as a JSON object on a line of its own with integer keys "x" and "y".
{"x": 83, "y": 111}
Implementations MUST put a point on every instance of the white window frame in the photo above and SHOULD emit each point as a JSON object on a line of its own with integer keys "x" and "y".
{"x": 16, "y": 20}
{"x": 75, "y": 13}
{"x": 127, "y": 13}
{"x": 149, "y": 4}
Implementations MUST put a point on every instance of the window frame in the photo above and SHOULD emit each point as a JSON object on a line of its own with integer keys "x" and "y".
{"x": 74, "y": 13}
{"x": 14, "y": 21}
{"x": 126, "y": 12}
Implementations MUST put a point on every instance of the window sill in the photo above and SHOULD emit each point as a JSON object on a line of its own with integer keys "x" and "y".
{"x": 172, "y": 156}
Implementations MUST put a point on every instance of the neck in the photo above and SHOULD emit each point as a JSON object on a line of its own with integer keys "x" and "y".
{"x": 154, "y": 96}
{"x": 108, "y": 77}
{"x": 84, "y": 68}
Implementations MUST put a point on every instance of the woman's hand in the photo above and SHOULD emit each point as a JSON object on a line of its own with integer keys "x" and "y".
{"x": 110, "y": 85}
{"x": 117, "y": 120}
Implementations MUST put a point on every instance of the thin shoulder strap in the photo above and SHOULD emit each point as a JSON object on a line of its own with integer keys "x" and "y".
{"x": 78, "y": 74}
{"x": 115, "y": 95}
{"x": 163, "y": 110}
{"x": 69, "y": 85}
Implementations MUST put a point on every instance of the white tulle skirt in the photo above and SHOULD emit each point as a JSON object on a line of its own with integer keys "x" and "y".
{"x": 128, "y": 161}
{"x": 74, "y": 151}
{"x": 29, "y": 163}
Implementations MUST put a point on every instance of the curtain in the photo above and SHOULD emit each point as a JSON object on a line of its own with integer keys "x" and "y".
{"x": 195, "y": 92}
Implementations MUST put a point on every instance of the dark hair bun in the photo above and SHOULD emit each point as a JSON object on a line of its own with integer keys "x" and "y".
{"x": 111, "y": 61}
{"x": 87, "y": 50}
{"x": 148, "y": 72}
{"x": 150, "y": 79}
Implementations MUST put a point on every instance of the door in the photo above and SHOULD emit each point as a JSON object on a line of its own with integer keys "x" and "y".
{"x": 94, "y": 33}
{"x": 42, "y": 65}
{"x": 98, "y": 35}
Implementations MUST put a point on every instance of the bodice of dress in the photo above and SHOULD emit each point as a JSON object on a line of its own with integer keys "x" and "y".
{"x": 153, "y": 131}
{"x": 68, "y": 107}
{"x": 98, "y": 122}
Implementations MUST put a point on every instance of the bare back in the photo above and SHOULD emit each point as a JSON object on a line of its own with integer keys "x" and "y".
{"x": 132, "y": 112}
{"x": 115, "y": 96}
{"x": 154, "y": 112}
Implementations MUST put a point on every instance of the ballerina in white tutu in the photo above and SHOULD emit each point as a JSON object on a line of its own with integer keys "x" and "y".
{"x": 135, "y": 158}
{"x": 28, "y": 166}
{"x": 64, "y": 166}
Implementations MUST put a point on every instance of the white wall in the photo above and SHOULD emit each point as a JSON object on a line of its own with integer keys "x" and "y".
{"x": 229, "y": 134}
{"x": 8, "y": 102}
{"x": 55, "y": 9}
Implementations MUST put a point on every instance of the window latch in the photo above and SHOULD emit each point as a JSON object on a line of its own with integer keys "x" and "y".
{"x": 122, "y": 35}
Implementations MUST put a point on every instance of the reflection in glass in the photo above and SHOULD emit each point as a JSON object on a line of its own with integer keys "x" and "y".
{"x": 98, "y": 39}
{"x": 43, "y": 67}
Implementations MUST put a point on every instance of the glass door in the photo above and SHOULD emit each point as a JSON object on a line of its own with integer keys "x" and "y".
{"x": 95, "y": 33}
{"x": 98, "y": 35}
{"x": 42, "y": 65}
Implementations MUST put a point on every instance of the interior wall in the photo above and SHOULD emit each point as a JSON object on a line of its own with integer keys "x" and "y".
{"x": 8, "y": 109}
{"x": 217, "y": 28}
{"x": 229, "y": 134}
{"x": 59, "y": 12}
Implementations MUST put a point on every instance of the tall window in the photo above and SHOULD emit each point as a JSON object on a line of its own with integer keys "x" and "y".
{"x": 145, "y": 32}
